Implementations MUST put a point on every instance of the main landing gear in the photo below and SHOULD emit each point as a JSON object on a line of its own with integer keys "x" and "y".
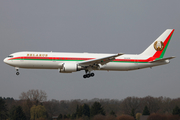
{"x": 17, "y": 69}
{"x": 88, "y": 75}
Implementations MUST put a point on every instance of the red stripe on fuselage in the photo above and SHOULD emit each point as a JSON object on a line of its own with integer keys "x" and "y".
{"x": 72, "y": 58}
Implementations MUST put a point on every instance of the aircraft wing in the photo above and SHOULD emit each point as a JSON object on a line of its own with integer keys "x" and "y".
{"x": 101, "y": 61}
{"x": 163, "y": 59}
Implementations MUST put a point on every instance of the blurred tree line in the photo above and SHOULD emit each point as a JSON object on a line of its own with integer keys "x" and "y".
{"x": 33, "y": 105}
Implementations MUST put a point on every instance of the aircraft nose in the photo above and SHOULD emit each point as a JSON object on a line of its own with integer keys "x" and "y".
{"x": 5, "y": 60}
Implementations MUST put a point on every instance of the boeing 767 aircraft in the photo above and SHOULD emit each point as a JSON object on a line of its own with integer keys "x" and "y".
{"x": 73, "y": 62}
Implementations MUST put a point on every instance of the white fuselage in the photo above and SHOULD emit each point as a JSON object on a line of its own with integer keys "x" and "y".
{"x": 72, "y": 62}
{"x": 55, "y": 60}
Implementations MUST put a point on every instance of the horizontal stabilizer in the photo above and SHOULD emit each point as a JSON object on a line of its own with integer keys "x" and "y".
{"x": 163, "y": 59}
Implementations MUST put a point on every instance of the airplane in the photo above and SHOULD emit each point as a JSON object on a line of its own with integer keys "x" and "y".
{"x": 73, "y": 62}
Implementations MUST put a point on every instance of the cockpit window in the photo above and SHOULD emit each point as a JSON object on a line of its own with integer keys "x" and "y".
{"x": 10, "y": 56}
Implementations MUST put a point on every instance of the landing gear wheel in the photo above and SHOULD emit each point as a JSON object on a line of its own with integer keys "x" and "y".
{"x": 92, "y": 74}
{"x": 88, "y": 75}
{"x": 84, "y": 76}
{"x": 17, "y": 73}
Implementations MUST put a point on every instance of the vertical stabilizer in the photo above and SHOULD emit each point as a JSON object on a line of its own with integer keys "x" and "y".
{"x": 158, "y": 48}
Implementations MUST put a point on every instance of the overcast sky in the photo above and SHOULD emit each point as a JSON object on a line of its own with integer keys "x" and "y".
{"x": 98, "y": 26}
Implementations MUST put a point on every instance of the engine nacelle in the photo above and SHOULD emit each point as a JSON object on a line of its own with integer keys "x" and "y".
{"x": 69, "y": 68}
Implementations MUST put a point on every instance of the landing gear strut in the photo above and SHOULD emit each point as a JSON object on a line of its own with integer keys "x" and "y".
{"x": 87, "y": 75}
{"x": 17, "y": 69}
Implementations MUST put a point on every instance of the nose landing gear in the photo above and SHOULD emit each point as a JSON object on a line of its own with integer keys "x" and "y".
{"x": 17, "y": 69}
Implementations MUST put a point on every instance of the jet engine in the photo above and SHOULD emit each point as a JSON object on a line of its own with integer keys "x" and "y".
{"x": 69, "y": 68}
